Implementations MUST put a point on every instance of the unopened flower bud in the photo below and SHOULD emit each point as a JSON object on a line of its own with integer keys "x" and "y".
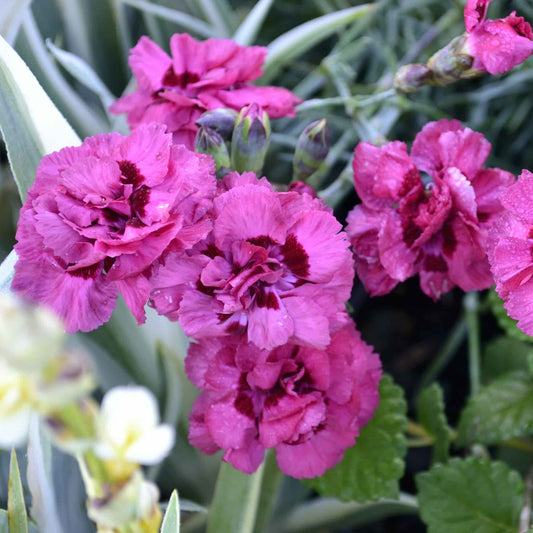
{"x": 132, "y": 508}
{"x": 222, "y": 120}
{"x": 250, "y": 139}
{"x": 410, "y": 78}
{"x": 208, "y": 141}
{"x": 450, "y": 63}
{"x": 311, "y": 150}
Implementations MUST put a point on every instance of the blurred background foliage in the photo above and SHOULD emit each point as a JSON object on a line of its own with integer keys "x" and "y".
{"x": 345, "y": 77}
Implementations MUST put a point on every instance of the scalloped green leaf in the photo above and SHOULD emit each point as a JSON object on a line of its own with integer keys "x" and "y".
{"x": 430, "y": 413}
{"x": 470, "y": 496}
{"x": 505, "y": 322}
{"x": 500, "y": 411}
{"x": 371, "y": 469}
{"x": 504, "y": 354}
{"x": 171, "y": 520}
{"x": 16, "y": 509}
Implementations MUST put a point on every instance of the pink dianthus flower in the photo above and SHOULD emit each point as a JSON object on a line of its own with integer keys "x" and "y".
{"x": 496, "y": 45}
{"x": 436, "y": 229}
{"x": 510, "y": 251}
{"x": 98, "y": 216}
{"x": 198, "y": 77}
{"x": 276, "y": 266}
{"x": 306, "y": 403}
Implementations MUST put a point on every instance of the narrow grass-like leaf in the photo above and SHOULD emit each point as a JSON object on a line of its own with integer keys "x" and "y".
{"x": 16, "y": 509}
{"x": 325, "y": 514}
{"x": 235, "y": 503}
{"x": 247, "y": 32}
{"x": 370, "y": 470}
{"x": 43, "y": 506}
{"x": 295, "y": 42}
{"x": 10, "y": 18}
{"x": 171, "y": 520}
{"x": 81, "y": 71}
{"x": 30, "y": 123}
{"x": 500, "y": 411}
{"x": 470, "y": 496}
{"x": 219, "y": 14}
{"x": 430, "y": 411}
{"x": 4, "y": 523}
{"x": 7, "y": 271}
{"x": 184, "y": 20}
{"x": 81, "y": 115}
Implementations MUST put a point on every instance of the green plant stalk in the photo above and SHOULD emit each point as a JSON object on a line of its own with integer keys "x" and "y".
{"x": 471, "y": 306}
{"x": 236, "y": 500}
{"x": 453, "y": 342}
{"x": 271, "y": 483}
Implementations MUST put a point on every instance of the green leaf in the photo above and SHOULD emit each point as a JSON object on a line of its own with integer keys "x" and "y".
{"x": 11, "y": 17}
{"x": 504, "y": 320}
{"x": 326, "y": 514}
{"x": 82, "y": 72}
{"x": 30, "y": 123}
{"x": 470, "y": 496}
{"x": 297, "y": 41}
{"x": 500, "y": 411}
{"x": 171, "y": 520}
{"x": 7, "y": 271}
{"x": 16, "y": 509}
{"x": 4, "y": 523}
{"x": 431, "y": 414}
{"x": 43, "y": 505}
{"x": 371, "y": 469}
{"x": 504, "y": 354}
{"x": 235, "y": 502}
{"x": 187, "y": 22}
{"x": 250, "y": 26}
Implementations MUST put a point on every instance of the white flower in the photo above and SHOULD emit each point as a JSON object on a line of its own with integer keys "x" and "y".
{"x": 15, "y": 408}
{"x": 128, "y": 427}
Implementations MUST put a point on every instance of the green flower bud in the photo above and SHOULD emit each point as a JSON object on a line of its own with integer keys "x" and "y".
{"x": 250, "y": 139}
{"x": 451, "y": 64}
{"x": 208, "y": 141}
{"x": 222, "y": 120}
{"x": 311, "y": 150}
{"x": 410, "y": 78}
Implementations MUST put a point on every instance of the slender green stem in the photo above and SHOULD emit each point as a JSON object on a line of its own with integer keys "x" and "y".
{"x": 236, "y": 499}
{"x": 453, "y": 342}
{"x": 471, "y": 305}
{"x": 272, "y": 478}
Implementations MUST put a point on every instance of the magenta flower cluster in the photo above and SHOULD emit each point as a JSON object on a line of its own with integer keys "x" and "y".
{"x": 427, "y": 212}
{"x": 198, "y": 77}
{"x": 258, "y": 277}
{"x": 279, "y": 360}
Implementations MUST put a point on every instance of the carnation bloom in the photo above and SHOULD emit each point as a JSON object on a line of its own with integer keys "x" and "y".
{"x": 198, "y": 77}
{"x": 276, "y": 266}
{"x": 306, "y": 403}
{"x": 439, "y": 229}
{"x": 510, "y": 251}
{"x": 496, "y": 45}
{"x": 98, "y": 215}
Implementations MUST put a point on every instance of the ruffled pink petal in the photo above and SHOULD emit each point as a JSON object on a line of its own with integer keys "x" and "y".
{"x": 198, "y": 434}
{"x": 500, "y": 45}
{"x": 517, "y": 198}
{"x": 231, "y": 420}
{"x": 310, "y": 321}
{"x": 246, "y": 213}
{"x": 475, "y": 12}
{"x": 270, "y": 326}
{"x": 149, "y": 63}
{"x": 135, "y": 291}
{"x": 246, "y": 459}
